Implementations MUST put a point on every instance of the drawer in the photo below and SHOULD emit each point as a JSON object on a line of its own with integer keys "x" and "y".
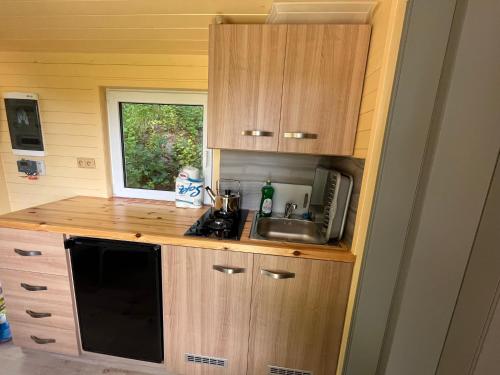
{"x": 39, "y": 337}
{"x": 21, "y": 285}
{"x": 33, "y": 251}
{"x": 31, "y": 311}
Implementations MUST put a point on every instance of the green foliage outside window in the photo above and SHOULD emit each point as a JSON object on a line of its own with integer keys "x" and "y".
{"x": 159, "y": 139}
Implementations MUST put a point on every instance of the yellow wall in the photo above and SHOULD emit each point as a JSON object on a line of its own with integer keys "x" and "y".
{"x": 73, "y": 114}
{"x": 371, "y": 88}
{"x": 4, "y": 195}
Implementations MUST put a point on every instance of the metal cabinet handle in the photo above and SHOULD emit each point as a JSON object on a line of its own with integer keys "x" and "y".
{"x": 257, "y": 133}
{"x": 228, "y": 270}
{"x": 299, "y": 135}
{"x": 28, "y": 253}
{"x": 37, "y": 315}
{"x": 33, "y": 288}
{"x": 278, "y": 275}
{"x": 40, "y": 341}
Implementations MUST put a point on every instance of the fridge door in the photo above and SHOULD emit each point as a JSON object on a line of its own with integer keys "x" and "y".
{"x": 118, "y": 296}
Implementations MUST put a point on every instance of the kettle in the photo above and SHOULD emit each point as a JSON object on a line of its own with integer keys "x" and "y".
{"x": 229, "y": 202}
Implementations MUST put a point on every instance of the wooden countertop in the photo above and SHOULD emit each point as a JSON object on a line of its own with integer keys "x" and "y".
{"x": 152, "y": 222}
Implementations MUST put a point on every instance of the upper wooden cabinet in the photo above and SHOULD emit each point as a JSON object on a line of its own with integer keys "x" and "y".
{"x": 245, "y": 83}
{"x": 324, "y": 71}
{"x": 287, "y": 88}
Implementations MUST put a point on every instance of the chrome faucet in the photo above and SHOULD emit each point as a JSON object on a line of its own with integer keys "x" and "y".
{"x": 289, "y": 208}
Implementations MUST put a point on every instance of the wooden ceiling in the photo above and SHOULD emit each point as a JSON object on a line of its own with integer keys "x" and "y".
{"x": 122, "y": 26}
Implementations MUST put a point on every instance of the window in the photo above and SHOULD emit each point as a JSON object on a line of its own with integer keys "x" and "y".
{"x": 152, "y": 135}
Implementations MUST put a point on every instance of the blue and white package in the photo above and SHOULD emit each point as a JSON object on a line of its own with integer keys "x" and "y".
{"x": 188, "y": 192}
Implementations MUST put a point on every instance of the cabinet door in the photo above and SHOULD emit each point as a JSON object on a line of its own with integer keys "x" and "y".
{"x": 323, "y": 80}
{"x": 206, "y": 309}
{"x": 298, "y": 310}
{"x": 245, "y": 82}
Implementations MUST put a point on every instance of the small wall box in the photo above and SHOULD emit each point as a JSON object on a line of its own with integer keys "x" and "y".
{"x": 25, "y": 128}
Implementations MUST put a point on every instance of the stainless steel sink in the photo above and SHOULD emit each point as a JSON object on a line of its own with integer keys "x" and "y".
{"x": 291, "y": 230}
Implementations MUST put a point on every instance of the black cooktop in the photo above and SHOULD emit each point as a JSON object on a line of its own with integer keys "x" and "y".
{"x": 218, "y": 224}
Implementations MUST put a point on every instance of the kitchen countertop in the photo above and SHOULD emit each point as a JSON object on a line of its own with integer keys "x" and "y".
{"x": 152, "y": 221}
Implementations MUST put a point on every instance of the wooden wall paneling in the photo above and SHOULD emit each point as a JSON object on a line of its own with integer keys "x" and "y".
{"x": 371, "y": 92}
{"x": 4, "y": 194}
{"x": 206, "y": 312}
{"x": 297, "y": 323}
{"x": 324, "y": 71}
{"x": 246, "y": 79}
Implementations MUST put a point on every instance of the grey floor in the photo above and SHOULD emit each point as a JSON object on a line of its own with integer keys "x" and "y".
{"x": 14, "y": 361}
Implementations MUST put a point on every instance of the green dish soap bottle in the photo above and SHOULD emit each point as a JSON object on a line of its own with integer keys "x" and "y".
{"x": 266, "y": 203}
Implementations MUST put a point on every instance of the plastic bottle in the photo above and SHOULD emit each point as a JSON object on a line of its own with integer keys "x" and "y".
{"x": 266, "y": 203}
{"x": 5, "y": 334}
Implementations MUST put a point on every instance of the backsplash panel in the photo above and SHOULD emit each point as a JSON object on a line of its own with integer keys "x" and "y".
{"x": 259, "y": 166}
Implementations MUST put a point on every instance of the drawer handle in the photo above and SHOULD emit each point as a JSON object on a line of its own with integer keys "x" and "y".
{"x": 33, "y": 288}
{"x": 37, "y": 315}
{"x": 40, "y": 341}
{"x": 257, "y": 133}
{"x": 299, "y": 135}
{"x": 228, "y": 270}
{"x": 28, "y": 253}
{"x": 278, "y": 275}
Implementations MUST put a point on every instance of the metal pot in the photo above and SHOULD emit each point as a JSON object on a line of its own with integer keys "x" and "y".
{"x": 228, "y": 202}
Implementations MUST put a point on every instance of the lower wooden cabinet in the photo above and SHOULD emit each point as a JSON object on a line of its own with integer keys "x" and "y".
{"x": 32, "y": 251}
{"x": 206, "y": 310}
{"x": 297, "y": 315}
{"x": 50, "y": 339}
{"x": 238, "y": 313}
{"x": 37, "y": 287}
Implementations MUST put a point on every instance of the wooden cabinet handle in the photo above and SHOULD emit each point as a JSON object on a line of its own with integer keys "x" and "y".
{"x": 228, "y": 270}
{"x": 28, "y": 253}
{"x": 257, "y": 133}
{"x": 40, "y": 341}
{"x": 278, "y": 275}
{"x": 299, "y": 135}
{"x": 33, "y": 288}
{"x": 38, "y": 315}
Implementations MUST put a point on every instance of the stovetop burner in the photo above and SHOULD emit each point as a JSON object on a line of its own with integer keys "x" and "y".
{"x": 219, "y": 224}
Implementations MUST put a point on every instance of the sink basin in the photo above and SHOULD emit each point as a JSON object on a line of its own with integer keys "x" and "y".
{"x": 291, "y": 230}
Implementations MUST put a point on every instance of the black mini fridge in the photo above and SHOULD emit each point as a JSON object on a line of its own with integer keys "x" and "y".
{"x": 118, "y": 297}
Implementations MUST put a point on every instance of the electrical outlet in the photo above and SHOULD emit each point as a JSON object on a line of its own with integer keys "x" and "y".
{"x": 85, "y": 162}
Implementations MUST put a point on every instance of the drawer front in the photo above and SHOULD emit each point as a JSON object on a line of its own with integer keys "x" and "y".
{"x": 21, "y": 285}
{"x": 50, "y": 339}
{"x": 35, "y": 312}
{"x": 33, "y": 251}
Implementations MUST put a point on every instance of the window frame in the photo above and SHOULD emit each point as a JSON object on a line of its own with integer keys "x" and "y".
{"x": 113, "y": 98}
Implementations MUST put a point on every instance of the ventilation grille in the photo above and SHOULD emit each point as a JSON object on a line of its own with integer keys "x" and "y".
{"x": 275, "y": 370}
{"x": 204, "y": 360}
